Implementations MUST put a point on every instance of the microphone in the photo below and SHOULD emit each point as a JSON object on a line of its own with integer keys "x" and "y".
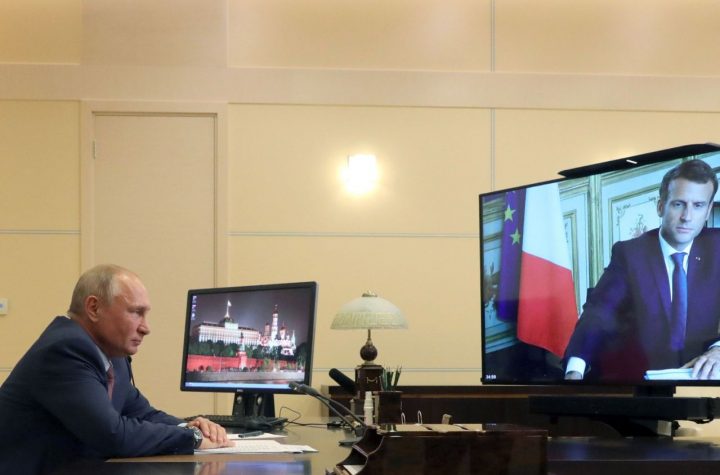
{"x": 346, "y": 383}
{"x": 357, "y": 425}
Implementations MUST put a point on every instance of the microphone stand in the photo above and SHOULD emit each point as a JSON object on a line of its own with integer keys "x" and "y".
{"x": 313, "y": 392}
{"x": 357, "y": 426}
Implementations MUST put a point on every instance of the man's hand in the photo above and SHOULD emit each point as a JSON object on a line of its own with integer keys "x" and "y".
{"x": 707, "y": 365}
{"x": 214, "y": 435}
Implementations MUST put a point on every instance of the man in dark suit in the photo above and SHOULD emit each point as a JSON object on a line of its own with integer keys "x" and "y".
{"x": 70, "y": 397}
{"x": 628, "y": 324}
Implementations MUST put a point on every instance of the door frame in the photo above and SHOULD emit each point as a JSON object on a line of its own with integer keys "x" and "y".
{"x": 216, "y": 110}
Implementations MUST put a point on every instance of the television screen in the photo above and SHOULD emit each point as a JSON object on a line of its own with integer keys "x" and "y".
{"x": 250, "y": 339}
{"x": 578, "y": 280}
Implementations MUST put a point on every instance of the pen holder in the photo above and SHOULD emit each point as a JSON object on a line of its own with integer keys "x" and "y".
{"x": 388, "y": 406}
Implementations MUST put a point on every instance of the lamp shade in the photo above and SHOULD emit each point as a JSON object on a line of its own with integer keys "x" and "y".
{"x": 368, "y": 312}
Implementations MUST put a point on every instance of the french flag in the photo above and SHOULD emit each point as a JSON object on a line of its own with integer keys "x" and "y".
{"x": 535, "y": 266}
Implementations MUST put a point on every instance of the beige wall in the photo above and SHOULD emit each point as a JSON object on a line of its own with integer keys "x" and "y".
{"x": 39, "y": 218}
{"x": 454, "y": 97}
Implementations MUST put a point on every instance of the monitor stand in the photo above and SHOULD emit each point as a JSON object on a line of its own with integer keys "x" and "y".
{"x": 652, "y": 411}
{"x": 253, "y": 404}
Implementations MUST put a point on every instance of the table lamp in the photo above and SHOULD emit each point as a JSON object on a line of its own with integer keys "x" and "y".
{"x": 368, "y": 312}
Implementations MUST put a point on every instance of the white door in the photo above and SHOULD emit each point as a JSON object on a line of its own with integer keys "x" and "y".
{"x": 153, "y": 211}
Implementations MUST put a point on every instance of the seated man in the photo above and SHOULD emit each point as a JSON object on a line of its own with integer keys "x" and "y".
{"x": 70, "y": 397}
{"x": 657, "y": 304}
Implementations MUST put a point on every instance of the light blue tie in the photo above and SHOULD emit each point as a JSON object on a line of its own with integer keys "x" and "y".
{"x": 678, "y": 320}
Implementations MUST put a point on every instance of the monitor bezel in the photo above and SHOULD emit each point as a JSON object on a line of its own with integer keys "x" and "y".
{"x": 311, "y": 286}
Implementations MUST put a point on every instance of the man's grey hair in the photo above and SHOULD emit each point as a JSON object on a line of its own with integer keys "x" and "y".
{"x": 99, "y": 281}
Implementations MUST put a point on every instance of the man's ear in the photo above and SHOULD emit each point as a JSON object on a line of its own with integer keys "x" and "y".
{"x": 660, "y": 208}
{"x": 709, "y": 212}
{"x": 92, "y": 304}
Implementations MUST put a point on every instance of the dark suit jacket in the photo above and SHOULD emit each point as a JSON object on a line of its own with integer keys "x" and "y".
{"x": 624, "y": 327}
{"x": 55, "y": 409}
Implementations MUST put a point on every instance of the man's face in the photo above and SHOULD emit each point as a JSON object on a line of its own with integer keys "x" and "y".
{"x": 121, "y": 324}
{"x": 685, "y": 211}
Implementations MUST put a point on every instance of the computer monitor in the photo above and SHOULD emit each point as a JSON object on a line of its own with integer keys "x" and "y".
{"x": 251, "y": 340}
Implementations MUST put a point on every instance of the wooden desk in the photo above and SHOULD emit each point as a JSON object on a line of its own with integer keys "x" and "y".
{"x": 628, "y": 456}
{"x": 495, "y": 404}
{"x": 324, "y": 440}
{"x": 566, "y": 456}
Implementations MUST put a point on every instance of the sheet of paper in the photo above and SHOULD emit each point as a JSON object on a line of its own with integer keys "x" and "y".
{"x": 669, "y": 374}
{"x": 258, "y": 446}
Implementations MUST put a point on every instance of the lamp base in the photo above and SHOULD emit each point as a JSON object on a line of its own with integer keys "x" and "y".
{"x": 367, "y": 378}
{"x": 368, "y": 353}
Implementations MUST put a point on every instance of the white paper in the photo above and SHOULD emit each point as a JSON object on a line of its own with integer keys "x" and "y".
{"x": 669, "y": 374}
{"x": 258, "y": 446}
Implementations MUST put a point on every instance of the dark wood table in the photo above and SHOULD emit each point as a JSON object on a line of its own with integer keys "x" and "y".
{"x": 566, "y": 456}
{"x": 633, "y": 456}
{"x": 495, "y": 403}
{"x": 318, "y": 436}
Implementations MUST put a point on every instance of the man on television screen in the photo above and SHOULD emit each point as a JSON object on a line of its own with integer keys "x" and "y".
{"x": 657, "y": 304}
{"x": 71, "y": 397}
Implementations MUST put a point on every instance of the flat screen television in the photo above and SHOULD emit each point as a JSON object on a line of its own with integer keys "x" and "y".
{"x": 251, "y": 340}
{"x": 544, "y": 248}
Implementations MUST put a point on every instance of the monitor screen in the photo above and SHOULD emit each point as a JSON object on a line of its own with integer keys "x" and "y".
{"x": 577, "y": 278}
{"x": 251, "y": 339}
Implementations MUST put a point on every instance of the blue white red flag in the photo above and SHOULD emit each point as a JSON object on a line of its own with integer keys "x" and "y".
{"x": 535, "y": 286}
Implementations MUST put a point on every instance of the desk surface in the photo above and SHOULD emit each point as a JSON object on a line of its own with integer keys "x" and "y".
{"x": 566, "y": 456}
{"x": 324, "y": 440}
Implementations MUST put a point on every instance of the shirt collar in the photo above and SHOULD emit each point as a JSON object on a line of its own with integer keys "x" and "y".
{"x": 106, "y": 361}
{"x": 668, "y": 250}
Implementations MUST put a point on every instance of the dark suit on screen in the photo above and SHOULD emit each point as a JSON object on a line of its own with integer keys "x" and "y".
{"x": 624, "y": 329}
{"x": 58, "y": 392}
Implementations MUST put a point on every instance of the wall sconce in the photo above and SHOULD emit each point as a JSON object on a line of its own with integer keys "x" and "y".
{"x": 361, "y": 173}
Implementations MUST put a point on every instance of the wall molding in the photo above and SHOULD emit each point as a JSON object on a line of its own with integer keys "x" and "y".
{"x": 320, "y": 234}
{"x": 72, "y": 232}
{"x": 476, "y": 89}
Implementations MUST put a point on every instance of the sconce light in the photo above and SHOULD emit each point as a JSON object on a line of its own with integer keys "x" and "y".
{"x": 361, "y": 173}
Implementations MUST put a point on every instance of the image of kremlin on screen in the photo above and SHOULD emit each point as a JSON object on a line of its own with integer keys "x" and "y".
{"x": 232, "y": 347}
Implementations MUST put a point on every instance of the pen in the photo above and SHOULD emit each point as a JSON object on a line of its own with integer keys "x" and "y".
{"x": 254, "y": 433}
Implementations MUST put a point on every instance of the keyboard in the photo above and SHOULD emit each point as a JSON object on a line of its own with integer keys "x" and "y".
{"x": 263, "y": 423}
